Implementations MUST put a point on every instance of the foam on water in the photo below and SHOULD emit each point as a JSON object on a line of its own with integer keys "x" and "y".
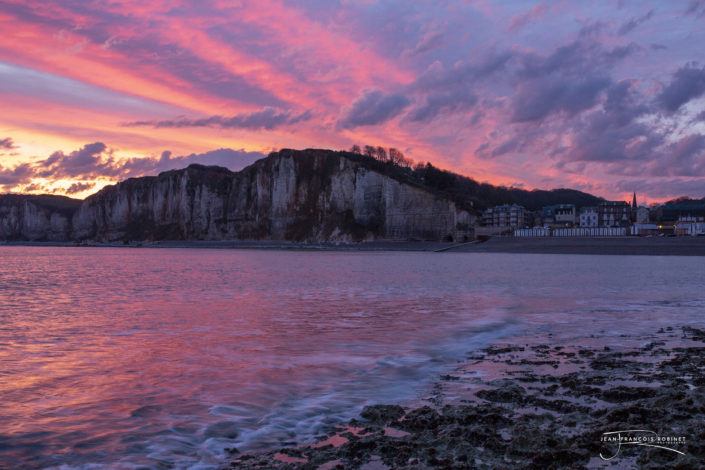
{"x": 299, "y": 418}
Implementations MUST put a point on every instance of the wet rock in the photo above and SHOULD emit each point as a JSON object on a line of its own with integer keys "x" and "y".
{"x": 570, "y": 415}
{"x": 554, "y": 459}
{"x": 466, "y": 415}
{"x": 621, "y": 394}
{"x": 382, "y": 414}
{"x": 652, "y": 345}
{"x": 421, "y": 419}
{"x": 358, "y": 447}
{"x": 561, "y": 406}
{"x": 695, "y": 333}
{"x": 495, "y": 350}
{"x": 508, "y": 392}
{"x": 611, "y": 362}
{"x": 449, "y": 378}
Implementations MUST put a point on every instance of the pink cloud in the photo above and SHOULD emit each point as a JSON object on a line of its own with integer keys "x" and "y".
{"x": 530, "y": 103}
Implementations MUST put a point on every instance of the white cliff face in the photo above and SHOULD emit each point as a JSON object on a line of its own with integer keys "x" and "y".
{"x": 29, "y": 218}
{"x": 292, "y": 195}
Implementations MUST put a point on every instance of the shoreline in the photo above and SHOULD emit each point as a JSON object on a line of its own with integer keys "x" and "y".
{"x": 533, "y": 406}
{"x": 639, "y": 246}
{"x": 371, "y": 246}
{"x": 653, "y": 246}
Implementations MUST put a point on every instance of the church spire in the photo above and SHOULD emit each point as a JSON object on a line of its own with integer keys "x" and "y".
{"x": 634, "y": 201}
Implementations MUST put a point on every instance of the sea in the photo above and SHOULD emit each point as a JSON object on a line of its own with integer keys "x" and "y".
{"x": 148, "y": 358}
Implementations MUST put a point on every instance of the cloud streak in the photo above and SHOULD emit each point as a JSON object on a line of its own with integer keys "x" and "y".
{"x": 519, "y": 21}
{"x": 267, "y": 118}
{"x": 371, "y": 108}
{"x": 634, "y": 23}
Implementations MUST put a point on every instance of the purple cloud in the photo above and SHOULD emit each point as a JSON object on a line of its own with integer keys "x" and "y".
{"x": 688, "y": 82}
{"x": 79, "y": 188}
{"x": 463, "y": 74}
{"x": 537, "y": 99}
{"x": 624, "y": 103}
{"x": 584, "y": 56}
{"x": 232, "y": 159}
{"x": 373, "y": 107}
{"x": 634, "y": 22}
{"x": 90, "y": 161}
{"x": 686, "y": 157}
{"x": 18, "y": 175}
{"x": 443, "y": 92}
{"x": 95, "y": 161}
{"x": 267, "y": 118}
{"x": 613, "y": 132}
{"x": 7, "y": 144}
{"x": 527, "y": 17}
{"x": 663, "y": 188}
{"x": 696, "y": 8}
{"x": 429, "y": 42}
{"x": 508, "y": 146}
{"x": 569, "y": 80}
{"x": 443, "y": 103}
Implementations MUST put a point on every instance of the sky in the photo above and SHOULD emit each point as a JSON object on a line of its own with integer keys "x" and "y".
{"x": 603, "y": 96}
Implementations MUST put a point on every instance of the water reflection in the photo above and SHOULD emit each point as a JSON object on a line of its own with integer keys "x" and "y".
{"x": 166, "y": 357}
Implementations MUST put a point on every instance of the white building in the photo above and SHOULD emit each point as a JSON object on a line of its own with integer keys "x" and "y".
{"x": 690, "y": 225}
{"x": 588, "y": 217}
{"x": 642, "y": 215}
{"x": 564, "y": 214}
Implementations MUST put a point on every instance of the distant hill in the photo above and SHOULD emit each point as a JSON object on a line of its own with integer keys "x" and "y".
{"x": 467, "y": 192}
{"x": 49, "y": 202}
{"x": 686, "y": 201}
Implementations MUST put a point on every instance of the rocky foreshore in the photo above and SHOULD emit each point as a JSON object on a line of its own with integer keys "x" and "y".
{"x": 534, "y": 406}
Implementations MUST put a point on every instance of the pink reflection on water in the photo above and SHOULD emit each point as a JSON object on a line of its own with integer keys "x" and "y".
{"x": 145, "y": 356}
{"x": 114, "y": 354}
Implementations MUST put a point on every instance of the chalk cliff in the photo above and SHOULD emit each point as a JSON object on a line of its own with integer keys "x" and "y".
{"x": 309, "y": 195}
{"x": 36, "y": 218}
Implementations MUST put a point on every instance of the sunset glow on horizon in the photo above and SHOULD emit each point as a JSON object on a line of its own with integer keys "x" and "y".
{"x": 604, "y": 97}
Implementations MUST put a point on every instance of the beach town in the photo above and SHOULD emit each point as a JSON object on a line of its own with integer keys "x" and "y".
{"x": 607, "y": 219}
